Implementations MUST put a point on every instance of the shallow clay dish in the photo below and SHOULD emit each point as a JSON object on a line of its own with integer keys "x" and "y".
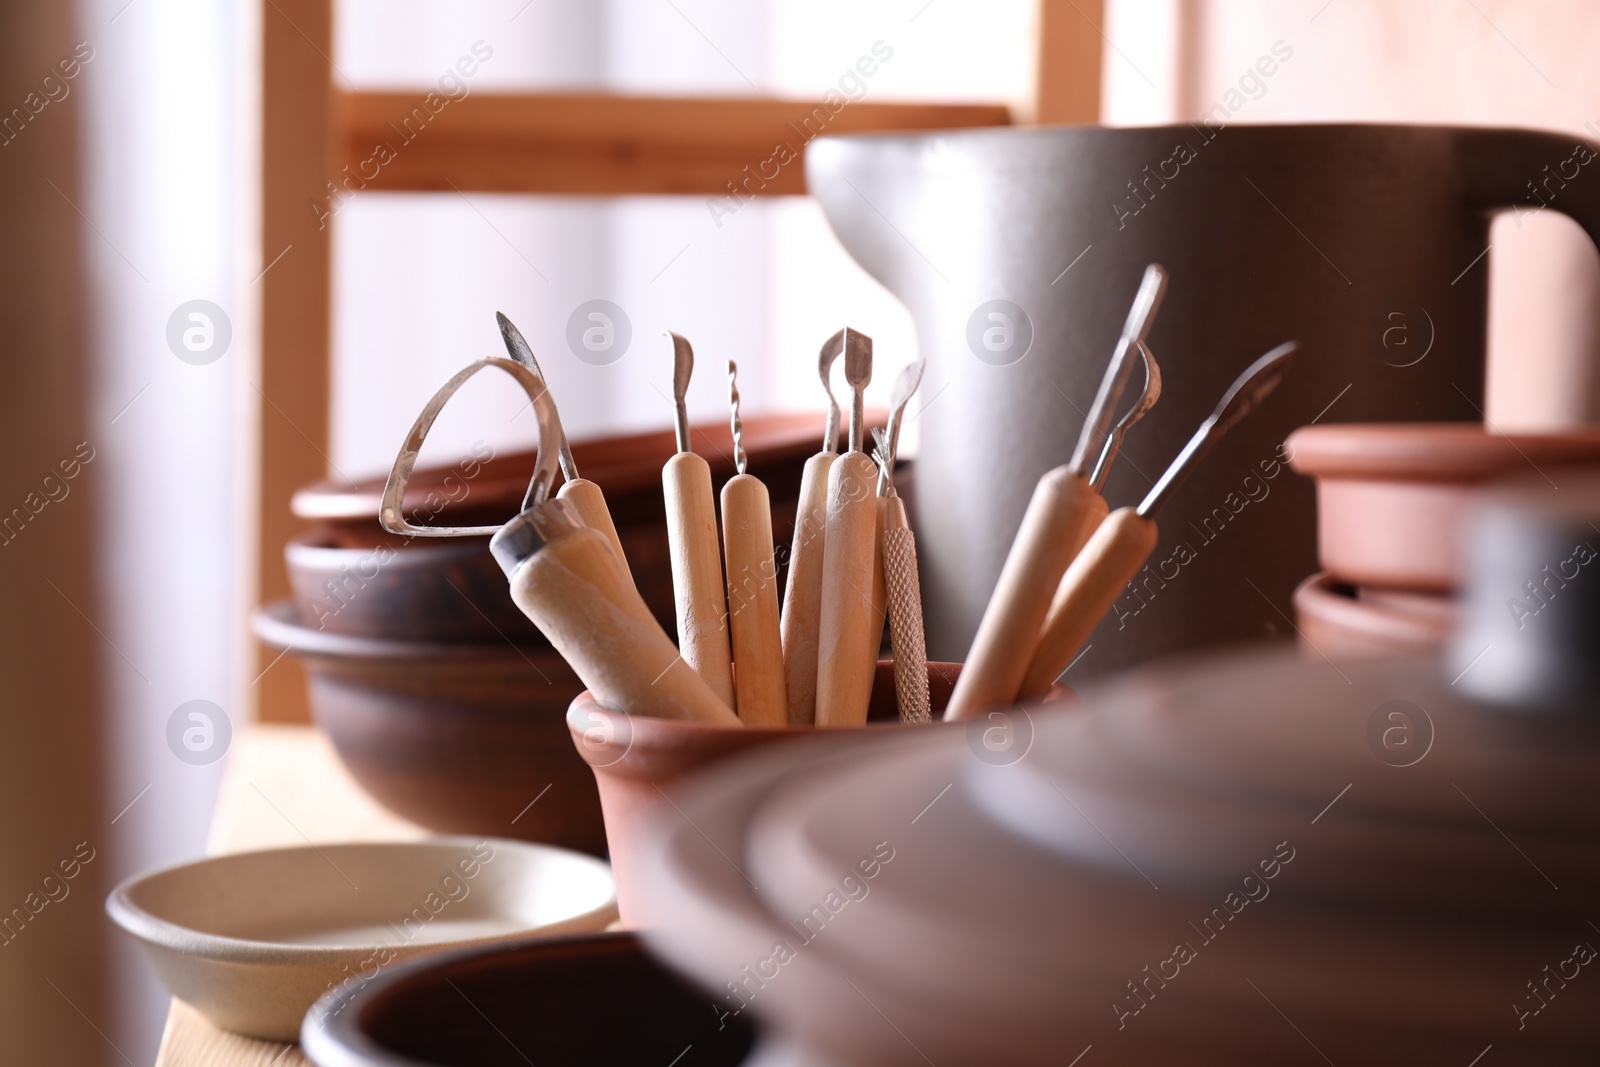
{"x": 252, "y": 939}
{"x": 1342, "y": 622}
{"x": 1392, "y": 498}
{"x": 594, "y": 999}
{"x": 459, "y": 738}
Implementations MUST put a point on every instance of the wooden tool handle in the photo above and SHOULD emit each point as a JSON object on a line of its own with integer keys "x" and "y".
{"x": 575, "y": 591}
{"x": 590, "y": 504}
{"x": 802, "y": 598}
{"x": 906, "y": 635}
{"x": 849, "y": 630}
{"x": 753, "y": 603}
{"x": 1064, "y": 511}
{"x": 1113, "y": 555}
{"x": 697, "y": 572}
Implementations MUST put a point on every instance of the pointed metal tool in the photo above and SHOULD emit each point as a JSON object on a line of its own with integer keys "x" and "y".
{"x": 901, "y": 578}
{"x": 1065, "y": 510}
{"x": 758, "y": 677}
{"x": 1126, "y": 538}
{"x": 585, "y": 496}
{"x": 518, "y": 347}
{"x": 905, "y": 387}
{"x": 697, "y": 586}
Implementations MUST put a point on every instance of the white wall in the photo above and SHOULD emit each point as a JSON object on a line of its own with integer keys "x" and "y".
{"x": 418, "y": 277}
{"x": 170, "y": 194}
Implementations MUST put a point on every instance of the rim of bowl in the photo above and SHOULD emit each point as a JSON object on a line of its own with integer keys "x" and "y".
{"x": 279, "y": 624}
{"x": 341, "y": 1041}
{"x": 153, "y": 929}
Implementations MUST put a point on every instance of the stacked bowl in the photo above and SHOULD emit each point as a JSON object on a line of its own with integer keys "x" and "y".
{"x": 442, "y": 699}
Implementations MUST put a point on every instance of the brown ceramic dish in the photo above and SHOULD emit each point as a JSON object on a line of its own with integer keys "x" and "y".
{"x": 1392, "y": 498}
{"x": 1342, "y": 622}
{"x": 460, "y": 738}
{"x": 348, "y": 576}
{"x": 622, "y": 466}
{"x": 596, "y": 999}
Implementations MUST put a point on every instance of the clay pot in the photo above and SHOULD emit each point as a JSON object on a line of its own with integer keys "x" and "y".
{"x": 592, "y": 999}
{"x": 1392, "y": 498}
{"x": 1215, "y": 861}
{"x": 634, "y": 758}
{"x": 459, "y": 738}
{"x": 1342, "y": 622}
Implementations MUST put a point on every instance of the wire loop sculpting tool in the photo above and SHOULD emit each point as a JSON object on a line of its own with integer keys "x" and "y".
{"x": 565, "y": 576}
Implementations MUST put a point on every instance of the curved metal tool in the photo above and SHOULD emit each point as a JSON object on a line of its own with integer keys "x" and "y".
{"x": 518, "y": 347}
{"x": 1248, "y": 390}
{"x": 901, "y": 576}
{"x": 1097, "y": 425}
{"x": 544, "y": 470}
{"x": 1146, "y": 401}
{"x": 825, "y": 359}
{"x": 682, "y": 371}
{"x": 888, "y": 441}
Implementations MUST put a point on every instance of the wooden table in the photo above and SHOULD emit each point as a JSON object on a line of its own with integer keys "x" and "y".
{"x": 283, "y": 786}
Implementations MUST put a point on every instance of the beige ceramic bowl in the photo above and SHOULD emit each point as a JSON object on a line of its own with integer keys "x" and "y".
{"x": 253, "y": 939}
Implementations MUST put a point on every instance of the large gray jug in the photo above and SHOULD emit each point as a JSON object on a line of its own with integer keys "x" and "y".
{"x": 1018, "y": 251}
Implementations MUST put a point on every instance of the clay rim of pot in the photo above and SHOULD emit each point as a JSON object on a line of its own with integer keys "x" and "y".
{"x": 618, "y": 464}
{"x": 675, "y": 735}
{"x": 1433, "y": 452}
{"x": 280, "y": 625}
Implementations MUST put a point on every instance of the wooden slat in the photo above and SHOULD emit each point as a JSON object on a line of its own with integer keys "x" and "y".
{"x": 600, "y": 144}
{"x": 1067, "y": 80}
{"x": 296, "y": 161}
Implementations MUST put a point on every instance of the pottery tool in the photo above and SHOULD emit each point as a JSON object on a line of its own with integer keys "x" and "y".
{"x": 1121, "y": 544}
{"x": 566, "y": 577}
{"x": 802, "y": 598}
{"x": 702, "y": 601}
{"x": 850, "y": 625}
{"x": 1065, "y": 509}
{"x": 584, "y": 496}
{"x": 752, "y": 586}
{"x": 902, "y": 582}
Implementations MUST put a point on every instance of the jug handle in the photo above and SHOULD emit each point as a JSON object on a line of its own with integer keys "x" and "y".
{"x": 1530, "y": 170}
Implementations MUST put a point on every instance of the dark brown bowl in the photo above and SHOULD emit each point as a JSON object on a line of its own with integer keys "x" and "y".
{"x": 349, "y": 580}
{"x": 349, "y": 577}
{"x": 458, "y": 738}
{"x": 595, "y": 999}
